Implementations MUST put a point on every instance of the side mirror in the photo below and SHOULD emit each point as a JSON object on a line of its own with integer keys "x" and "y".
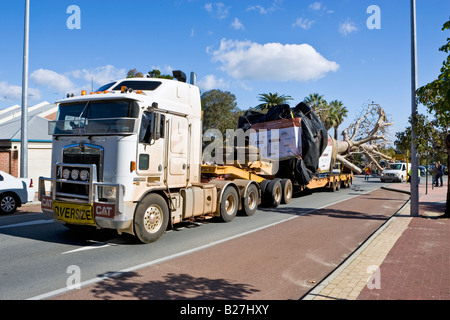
{"x": 156, "y": 123}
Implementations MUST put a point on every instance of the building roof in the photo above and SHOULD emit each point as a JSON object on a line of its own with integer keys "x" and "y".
{"x": 38, "y": 117}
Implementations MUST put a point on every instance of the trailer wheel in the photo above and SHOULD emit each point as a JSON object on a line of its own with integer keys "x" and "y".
{"x": 263, "y": 185}
{"x": 273, "y": 193}
{"x": 333, "y": 186}
{"x": 288, "y": 190}
{"x": 229, "y": 204}
{"x": 151, "y": 218}
{"x": 250, "y": 201}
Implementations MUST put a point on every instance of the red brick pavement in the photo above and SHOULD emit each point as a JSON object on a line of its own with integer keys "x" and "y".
{"x": 418, "y": 266}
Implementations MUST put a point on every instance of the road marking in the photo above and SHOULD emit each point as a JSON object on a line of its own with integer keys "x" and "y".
{"x": 180, "y": 254}
{"x": 91, "y": 247}
{"x": 24, "y": 224}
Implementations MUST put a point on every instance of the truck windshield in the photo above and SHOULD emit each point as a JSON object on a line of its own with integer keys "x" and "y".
{"x": 396, "y": 166}
{"x": 96, "y": 117}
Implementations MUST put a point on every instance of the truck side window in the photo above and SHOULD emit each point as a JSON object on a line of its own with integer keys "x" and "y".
{"x": 146, "y": 127}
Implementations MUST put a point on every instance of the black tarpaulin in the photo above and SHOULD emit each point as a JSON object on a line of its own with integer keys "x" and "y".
{"x": 314, "y": 139}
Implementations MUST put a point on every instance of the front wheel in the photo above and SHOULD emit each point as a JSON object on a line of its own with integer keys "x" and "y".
{"x": 8, "y": 203}
{"x": 151, "y": 218}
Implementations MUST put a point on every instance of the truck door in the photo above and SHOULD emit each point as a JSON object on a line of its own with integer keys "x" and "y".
{"x": 178, "y": 151}
{"x": 150, "y": 154}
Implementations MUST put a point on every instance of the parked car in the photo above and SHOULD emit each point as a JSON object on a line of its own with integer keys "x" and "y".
{"x": 423, "y": 171}
{"x": 14, "y": 192}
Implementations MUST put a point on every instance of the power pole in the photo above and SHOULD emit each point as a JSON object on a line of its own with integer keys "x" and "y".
{"x": 24, "y": 120}
{"x": 414, "y": 153}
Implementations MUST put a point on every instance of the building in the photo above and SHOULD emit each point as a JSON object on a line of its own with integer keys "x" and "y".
{"x": 39, "y": 141}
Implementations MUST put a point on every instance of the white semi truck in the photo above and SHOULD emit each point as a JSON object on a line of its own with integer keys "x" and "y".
{"x": 129, "y": 157}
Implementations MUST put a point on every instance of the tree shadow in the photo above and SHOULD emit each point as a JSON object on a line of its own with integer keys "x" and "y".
{"x": 131, "y": 286}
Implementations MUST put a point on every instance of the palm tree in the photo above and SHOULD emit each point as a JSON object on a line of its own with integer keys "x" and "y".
{"x": 271, "y": 99}
{"x": 320, "y": 107}
{"x": 337, "y": 114}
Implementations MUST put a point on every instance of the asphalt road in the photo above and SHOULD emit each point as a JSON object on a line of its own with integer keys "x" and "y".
{"x": 41, "y": 259}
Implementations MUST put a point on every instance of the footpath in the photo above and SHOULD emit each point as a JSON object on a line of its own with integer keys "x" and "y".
{"x": 407, "y": 259}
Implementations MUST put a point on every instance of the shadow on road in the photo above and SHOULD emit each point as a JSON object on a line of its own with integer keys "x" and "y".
{"x": 131, "y": 285}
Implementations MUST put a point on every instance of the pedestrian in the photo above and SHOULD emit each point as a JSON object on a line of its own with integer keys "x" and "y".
{"x": 441, "y": 173}
{"x": 436, "y": 174}
{"x": 367, "y": 173}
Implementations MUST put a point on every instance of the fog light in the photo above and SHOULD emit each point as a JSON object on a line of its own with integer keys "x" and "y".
{"x": 84, "y": 175}
{"x": 66, "y": 174}
{"x": 74, "y": 174}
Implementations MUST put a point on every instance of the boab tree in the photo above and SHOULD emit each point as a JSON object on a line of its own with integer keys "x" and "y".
{"x": 367, "y": 135}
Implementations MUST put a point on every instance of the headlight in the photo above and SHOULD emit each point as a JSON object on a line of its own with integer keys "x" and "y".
{"x": 84, "y": 175}
{"x": 74, "y": 174}
{"x": 66, "y": 174}
{"x": 108, "y": 192}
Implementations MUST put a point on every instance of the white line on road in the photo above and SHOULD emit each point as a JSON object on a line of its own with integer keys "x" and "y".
{"x": 24, "y": 224}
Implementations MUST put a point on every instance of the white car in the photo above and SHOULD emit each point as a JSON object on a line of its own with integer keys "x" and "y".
{"x": 14, "y": 192}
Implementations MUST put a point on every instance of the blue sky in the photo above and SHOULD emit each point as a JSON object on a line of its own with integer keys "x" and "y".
{"x": 293, "y": 47}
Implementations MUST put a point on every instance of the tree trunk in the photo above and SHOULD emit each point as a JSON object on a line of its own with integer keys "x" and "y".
{"x": 447, "y": 206}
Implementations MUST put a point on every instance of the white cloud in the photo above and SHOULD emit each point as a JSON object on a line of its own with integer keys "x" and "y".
{"x": 11, "y": 92}
{"x": 100, "y": 75}
{"x": 210, "y": 82}
{"x": 347, "y": 27}
{"x": 262, "y": 10}
{"x": 246, "y": 60}
{"x": 303, "y": 23}
{"x": 237, "y": 25}
{"x": 217, "y": 10}
{"x": 316, "y": 6}
{"x": 52, "y": 80}
{"x": 320, "y": 7}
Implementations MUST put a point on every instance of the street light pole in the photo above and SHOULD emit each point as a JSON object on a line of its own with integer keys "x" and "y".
{"x": 414, "y": 153}
{"x": 24, "y": 120}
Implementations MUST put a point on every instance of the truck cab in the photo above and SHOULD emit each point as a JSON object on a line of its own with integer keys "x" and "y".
{"x": 112, "y": 148}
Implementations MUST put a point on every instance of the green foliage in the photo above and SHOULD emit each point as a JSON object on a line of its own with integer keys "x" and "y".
{"x": 219, "y": 110}
{"x": 332, "y": 114}
{"x": 133, "y": 73}
{"x": 270, "y": 100}
{"x": 436, "y": 95}
{"x": 155, "y": 73}
{"x": 428, "y": 138}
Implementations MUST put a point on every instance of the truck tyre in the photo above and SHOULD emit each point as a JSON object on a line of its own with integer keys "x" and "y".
{"x": 229, "y": 204}
{"x": 333, "y": 186}
{"x": 250, "y": 201}
{"x": 8, "y": 203}
{"x": 151, "y": 218}
{"x": 263, "y": 185}
{"x": 338, "y": 185}
{"x": 273, "y": 193}
{"x": 288, "y": 190}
